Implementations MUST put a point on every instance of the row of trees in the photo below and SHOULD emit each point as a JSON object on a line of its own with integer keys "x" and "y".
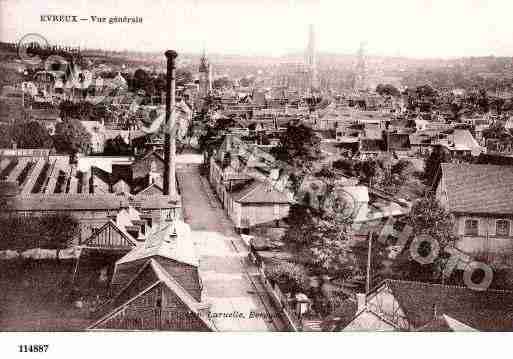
{"x": 47, "y": 232}
{"x": 70, "y": 136}
{"x": 85, "y": 110}
{"x": 382, "y": 172}
{"x": 153, "y": 85}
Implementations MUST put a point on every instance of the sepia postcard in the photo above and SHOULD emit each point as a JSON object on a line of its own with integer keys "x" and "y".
{"x": 255, "y": 166}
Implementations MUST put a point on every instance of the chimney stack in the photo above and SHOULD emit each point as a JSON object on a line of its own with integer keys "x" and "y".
{"x": 170, "y": 140}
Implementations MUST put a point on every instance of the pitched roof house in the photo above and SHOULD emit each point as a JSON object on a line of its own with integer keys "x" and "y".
{"x": 156, "y": 286}
{"x": 404, "y": 306}
{"x": 481, "y": 199}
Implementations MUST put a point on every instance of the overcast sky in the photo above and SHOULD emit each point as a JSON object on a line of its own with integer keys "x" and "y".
{"x": 415, "y": 28}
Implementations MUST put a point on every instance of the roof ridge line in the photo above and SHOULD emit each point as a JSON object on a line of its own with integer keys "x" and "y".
{"x": 446, "y": 285}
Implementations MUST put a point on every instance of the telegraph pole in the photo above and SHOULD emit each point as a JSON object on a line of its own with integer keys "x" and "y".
{"x": 369, "y": 256}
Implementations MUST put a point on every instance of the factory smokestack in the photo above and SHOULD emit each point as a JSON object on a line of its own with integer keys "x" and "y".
{"x": 170, "y": 136}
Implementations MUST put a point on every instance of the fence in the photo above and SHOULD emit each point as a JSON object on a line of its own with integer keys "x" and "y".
{"x": 281, "y": 301}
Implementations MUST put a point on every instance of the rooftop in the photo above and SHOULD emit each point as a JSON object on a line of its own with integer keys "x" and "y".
{"x": 474, "y": 188}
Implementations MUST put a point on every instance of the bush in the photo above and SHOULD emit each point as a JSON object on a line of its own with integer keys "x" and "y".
{"x": 291, "y": 277}
{"x": 327, "y": 305}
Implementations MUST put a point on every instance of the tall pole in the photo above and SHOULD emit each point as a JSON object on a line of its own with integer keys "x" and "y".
{"x": 170, "y": 136}
{"x": 369, "y": 256}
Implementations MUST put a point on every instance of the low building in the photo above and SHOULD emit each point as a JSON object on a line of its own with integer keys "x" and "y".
{"x": 156, "y": 286}
{"x": 248, "y": 185}
{"x": 248, "y": 201}
{"x": 414, "y": 306}
{"x": 481, "y": 199}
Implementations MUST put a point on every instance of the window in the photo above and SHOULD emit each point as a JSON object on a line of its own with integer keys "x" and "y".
{"x": 502, "y": 227}
{"x": 471, "y": 227}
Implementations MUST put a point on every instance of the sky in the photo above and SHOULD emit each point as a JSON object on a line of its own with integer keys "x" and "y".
{"x": 413, "y": 28}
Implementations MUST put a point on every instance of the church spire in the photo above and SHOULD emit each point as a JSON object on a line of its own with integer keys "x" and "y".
{"x": 203, "y": 67}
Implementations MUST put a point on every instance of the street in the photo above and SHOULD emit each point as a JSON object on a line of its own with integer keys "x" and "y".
{"x": 229, "y": 279}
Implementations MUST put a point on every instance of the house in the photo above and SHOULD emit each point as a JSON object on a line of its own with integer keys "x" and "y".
{"x": 156, "y": 286}
{"x": 397, "y": 305}
{"x": 481, "y": 199}
{"x": 248, "y": 201}
{"x": 119, "y": 235}
{"x": 148, "y": 173}
{"x": 246, "y": 179}
{"x": 462, "y": 144}
{"x": 92, "y": 211}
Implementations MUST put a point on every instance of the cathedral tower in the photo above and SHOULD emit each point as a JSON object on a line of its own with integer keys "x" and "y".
{"x": 205, "y": 76}
{"x": 311, "y": 59}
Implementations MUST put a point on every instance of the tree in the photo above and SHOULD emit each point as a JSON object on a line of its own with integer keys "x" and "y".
{"x": 425, "y": 91}
{"x": 387, "y": 90}
{"x": 213, "y": 134}
{"x": 439, "y": 155}
{"x": 483, "y": 101}
{"x": 299, "y": 146}
{"x": 428, "y": 218}
{"x": 321, "y": 238}
{"x": 26, "y": 134}
{"x": 50, "y": 232}
{"x": 116, "y": 147}
{"x": 5, "y": 136}
{"x": 496, "y": 131}
{"x": 290, "y": 276}
{"x": 72, "y": 137}
{"x": 59, "y": 230}
{"x": 141, "y": 79}
{"x": 31, "y": 135}
{"x": 330, "y": 251}
{"x": 301, "y": 225}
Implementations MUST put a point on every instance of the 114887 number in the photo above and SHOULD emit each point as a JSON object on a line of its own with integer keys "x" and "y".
{"x": 33, "y": 348}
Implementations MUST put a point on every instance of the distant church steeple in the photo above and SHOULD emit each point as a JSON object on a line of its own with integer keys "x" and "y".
{"x": 205, "y": 76}
{"x": 311, "y": 58}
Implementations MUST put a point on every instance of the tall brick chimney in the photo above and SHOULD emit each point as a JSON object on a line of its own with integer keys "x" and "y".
{"x": 170, "y": 137}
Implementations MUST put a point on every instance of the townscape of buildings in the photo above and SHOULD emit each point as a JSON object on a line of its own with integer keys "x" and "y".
{"x": 288, "y": 199}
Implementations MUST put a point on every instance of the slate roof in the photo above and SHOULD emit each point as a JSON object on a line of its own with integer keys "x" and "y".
{"x": 179, "y": 247}
{"x": 260, "y": 192}
{"x": 462, "y": 140}
{"x": 85, "y": 201}
{"x": 150, "y": 276}
{"x": 445, "y": 323}
{"x": 490, "y": 310}
{"x": 480, "y": 189}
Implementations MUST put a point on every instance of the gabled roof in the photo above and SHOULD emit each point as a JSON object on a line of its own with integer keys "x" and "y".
{"x": 483, "y": 189}
{"x": 366, "y": 320}
{"x": 260, "y": 192}
{"x": 462, "y": 140}
{"x": 172, "y": 241}
{"x": 149, "y": 187}
{"x": 128, "y": 238}
{"x": 148, "y": 154}
{"x": 151, "y": 275}
{"x": 445, "y": 323}
{"x": 490, "y": 310}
